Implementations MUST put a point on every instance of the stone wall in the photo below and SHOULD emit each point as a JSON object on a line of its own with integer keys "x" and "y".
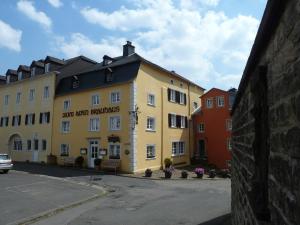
{"x": 266, "y": 133}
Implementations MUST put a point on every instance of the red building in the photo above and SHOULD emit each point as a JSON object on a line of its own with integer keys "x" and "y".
{"x": 212, "y": 125}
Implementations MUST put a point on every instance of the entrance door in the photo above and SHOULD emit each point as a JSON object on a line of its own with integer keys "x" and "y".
{"x": 201, "y": 149}
{"x": 93, "y": 152}
{"x": 35, "y": 152}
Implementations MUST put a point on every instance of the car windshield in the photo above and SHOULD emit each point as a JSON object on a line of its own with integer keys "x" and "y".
{"x": 4, "y": 157}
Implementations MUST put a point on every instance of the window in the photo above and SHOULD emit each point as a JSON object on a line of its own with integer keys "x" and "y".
{"x": 229, "y": 145}
{"x": 183, "y": 122}
{"x": 18, "y": 145}
{"x": 4, "y": 121}
{"x": 115, "y": 123}
{"x": 36, "y": 144}
{"x": 20, "y": 75}
{"x": 150, "y": 151}
{"x": 115, "y": 97}
{"x": 114, "y": 151}
{"x": 46, "y": 92}
{"x": 151, "y": 99}
{"x": 209, "y": 103}
{"x": 75, "y": 82}
{"x": 16, "y": 121}
{"x": 64, "y": 150}
{"x": 95, "y": 100}
{"x": 65, "y": 126}
{"x": 30, "y": 119}
{"x": 229, "y": 124}
{"x": 6, "y": 99}
{"x": 178, "y": 148}
{"x": 151, "y": 123}
{"x": 44, "y": 145}
{"x": 195, "y": 105}
{"x": 181, "y": 98}
{"x": 44, "y": 117}
{"x": 201, "y": 128}
{"x": 94, "y": 124}
{"x": 31, "y": 94}
{"x": 18, "y": 98}
{"x": 67, "y": 105}
{"x": 172, "y": 120}
{"x": 28, "y": 145}
{"x": 47, "y": 67}
{"x": 172, "y": 95}
{"x": 220, "y": 101}
{"x": 33, "y": 71}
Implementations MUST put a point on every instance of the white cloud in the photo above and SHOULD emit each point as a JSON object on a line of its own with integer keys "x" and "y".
{"x": 9, "y": 37}
{"x": 55, "y": 3}
{"x": 28, "y": 9}
{"x": 198, "y": 44}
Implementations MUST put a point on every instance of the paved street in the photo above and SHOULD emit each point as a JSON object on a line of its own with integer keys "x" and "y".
{"x": 128, "y": 200}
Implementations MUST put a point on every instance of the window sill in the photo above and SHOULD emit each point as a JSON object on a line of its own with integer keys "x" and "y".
{"x": 175, "y": 156}
{"x": 152, "y": 105}
{"x": 148, "y": 130}
{"x": 154, "y": 158}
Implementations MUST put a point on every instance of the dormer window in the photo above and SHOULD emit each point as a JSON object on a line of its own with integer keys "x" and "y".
{"x": 7, "y": 79}
{"x": 33, "y": 71}
{"x": 19, "y": 75}
{"x": 47, "y": 67}
{"x": 108, "y": 75}
{"x": 75, "y": 82}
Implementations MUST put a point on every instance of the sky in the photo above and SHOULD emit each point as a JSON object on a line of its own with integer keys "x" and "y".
{"x": 206, "y": 41}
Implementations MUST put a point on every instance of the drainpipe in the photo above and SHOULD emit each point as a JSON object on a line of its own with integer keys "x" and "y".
{"x": 162, "y": 128}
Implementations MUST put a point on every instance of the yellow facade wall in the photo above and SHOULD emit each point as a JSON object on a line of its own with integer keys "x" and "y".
{"x": 27, "y": 132}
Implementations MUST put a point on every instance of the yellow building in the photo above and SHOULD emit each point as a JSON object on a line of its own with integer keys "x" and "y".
{"x": 126, "y": 108}
{"x": 27, "y": 100}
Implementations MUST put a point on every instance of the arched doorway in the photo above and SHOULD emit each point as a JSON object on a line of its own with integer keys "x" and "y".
{"x": 14, "y": 143}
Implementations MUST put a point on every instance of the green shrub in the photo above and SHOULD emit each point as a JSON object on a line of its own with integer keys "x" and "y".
{"x": 167, "y": 162}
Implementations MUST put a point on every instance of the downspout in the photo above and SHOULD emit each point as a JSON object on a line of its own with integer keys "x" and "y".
{"x": 162, "y": 128}
{"x": 191, "y": 122}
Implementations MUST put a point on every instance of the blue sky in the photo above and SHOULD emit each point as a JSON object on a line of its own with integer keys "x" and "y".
{"x": 207, "y": 41}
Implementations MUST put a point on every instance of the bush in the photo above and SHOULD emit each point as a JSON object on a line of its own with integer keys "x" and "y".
{"x": 199, "y": 172}
{"x": 97, "y": 162}
{"x": 184, "y": 174}
{"x": 168, "y": 172}
{"x": 79, "y": 161}
{"x": 148, "y": 173}
{"x": 167, "y": 162}
{"x": 212, "y": 173}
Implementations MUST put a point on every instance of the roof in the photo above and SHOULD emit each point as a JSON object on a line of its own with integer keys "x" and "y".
{"x": 2, "y": 77}
{"x": 271, "y": 18}
{"x": 11, "y": 72}
{"x": 55, "y": 60}
{"x": 217, "y": 89}
{"x": 38, "y": 63}
{"x": 24, "y": 68}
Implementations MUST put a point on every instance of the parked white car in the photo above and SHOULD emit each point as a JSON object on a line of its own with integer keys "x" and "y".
{"x": 5, "y": 163}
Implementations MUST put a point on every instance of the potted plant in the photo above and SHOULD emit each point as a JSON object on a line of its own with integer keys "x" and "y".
{"x": 97, "y": 163}
{"x": 184, "y": 174}
{"x": 199, "y": 172}
{"x": 212, "y": 173}
{"x": 79, "y": 161}
{"x": 168, "y": 172}
{"x": 148, "y": 173}
{"x": 167, "y": 162}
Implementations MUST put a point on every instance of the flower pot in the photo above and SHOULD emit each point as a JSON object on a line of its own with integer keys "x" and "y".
{"x": 199, "y": 175}
{"x": 184, "y": 174}
{"x": 168, "y": 175}
{"x": 212, "y": 173}
{"x": 148, "y": 174}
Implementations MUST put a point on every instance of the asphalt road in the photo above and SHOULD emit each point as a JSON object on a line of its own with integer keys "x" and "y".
{"x": 128, "y": 201}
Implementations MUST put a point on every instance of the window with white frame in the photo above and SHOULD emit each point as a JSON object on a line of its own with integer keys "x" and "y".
{"x": 67, "y": 104}
{"x": 201, "y": 127}
{"x": 229, "y": 124}
{"x": 95, "y": 100}
{"x": 178, "y": 148}
{"x": 114, "y": 151}
{"x": 150, "y": 123}
{"x": 209, "y": 103}
{"x": 65, "y": 126}
{"x": 46, "y": 92}
{"x": 31, "y": 94}
{"x": 229, "y": 144}
{"x": 173, "y": 120}
{"x": 182, "y": 122}
{"x": 44, "y": 117}
{"x": 30, "y": 119}
{"x": 151, "y": 99}
{"x": 150, "y": 151}
{"x": 6, "y": 99}
{"x": 18, "y": 145}
{"x": 18, "y": 98}
{"x": 64, "y": 150}
{"x": 220, "y": 101}
{"x": 115, "y": 123}
{"x": 47, "y": 67}
{"x": 181, "y": 98}
{"x": 20, "y": 75}
{"x": 16, "y": 121}
{"x": 32, "y": 71}
{"x": 94, "y": 124}
{"x": 115, "y": 97}
{"x": 172, "y": 95}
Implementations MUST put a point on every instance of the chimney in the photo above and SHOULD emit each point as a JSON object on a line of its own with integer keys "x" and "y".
{"x": 128, "y": 49}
